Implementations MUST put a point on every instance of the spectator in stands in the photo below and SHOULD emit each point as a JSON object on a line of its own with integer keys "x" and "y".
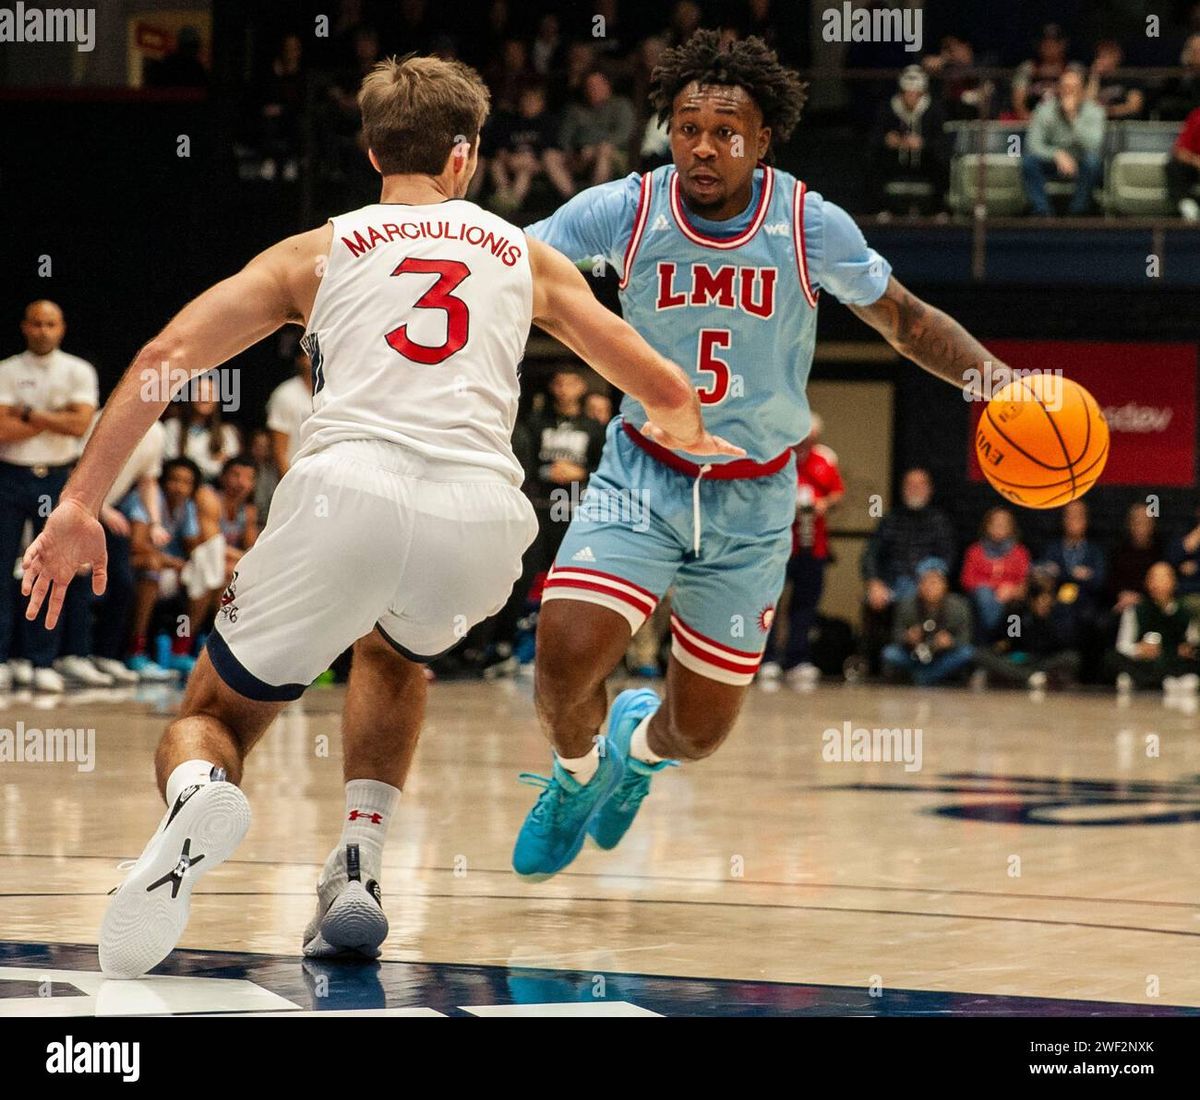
{"x": 566, "y": 446}
{"x": 157, "y": 565}
{"x": 1140, "y": 547}
{"x": 1117, "y": 95}
{"x": 995, "y": 569}
{"x": 581, "y": 60}
{"x": 611, "y": 38}
{"x": 819, "y": 489}
{"x": 287, "y": 408}
{"x": 139, "y": 477}
{"x": 238, "y": 515}
{"x": 1184, "y": 555}
{"x": 47, "y": 399}
{"x": 595, "y": 134}
{"x": 911, "y": 532}
{"x": 1064, "y": 141}
{"x": 1183, "y": 168}
{"x": 281, "y": 107}
{"x": 508, "y": 74}
{"x": 908, "y": 141}
{"x": 266, "y": 473}
{"x": 931, "y": 637}
{"x": 548, "y": 52}
{"x": 1035, "y": 80}
{"x": 963, "y": 94}
{"x": 182, "y": 67}
{"x": 521, "y": 144}
{"x": 197, "y": 431}
{"x": 1075, "y": 568}
{"x": 685, "y": 20}
{"x": 1074, "y": 562}
{"x": 1181, "y": 96}
{"x": 1037, "y": 648}
{"x": 1156, "y": 640}
{"x": 599, "y": 407}
{"x": 651, "y": 145}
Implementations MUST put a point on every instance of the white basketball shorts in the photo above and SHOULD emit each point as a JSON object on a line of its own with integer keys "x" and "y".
{"x": 365, "y": 535}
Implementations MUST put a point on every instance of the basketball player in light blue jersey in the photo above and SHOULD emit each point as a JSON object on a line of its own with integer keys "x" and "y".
{"x": 721, "y": 259}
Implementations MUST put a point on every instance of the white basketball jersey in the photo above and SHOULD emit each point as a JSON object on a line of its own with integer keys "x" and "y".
{"x": 417, "y": 332}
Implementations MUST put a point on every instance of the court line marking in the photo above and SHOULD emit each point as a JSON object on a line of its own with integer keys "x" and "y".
{"x": 681, "y": 901}
{"x": 568, "y": 876}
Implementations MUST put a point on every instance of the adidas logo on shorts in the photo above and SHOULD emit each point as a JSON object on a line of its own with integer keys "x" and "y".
{"x": 583, "y": 555}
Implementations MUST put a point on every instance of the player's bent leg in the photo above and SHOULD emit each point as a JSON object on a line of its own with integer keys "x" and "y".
{"x": 199, "y": 761}
{"x": 381, "y": 722}
{"x": 578, "y": 646}
{"x": 650, "y": 734}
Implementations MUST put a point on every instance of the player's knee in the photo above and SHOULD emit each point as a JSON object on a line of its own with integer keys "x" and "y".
{"x": 696, "y": 733}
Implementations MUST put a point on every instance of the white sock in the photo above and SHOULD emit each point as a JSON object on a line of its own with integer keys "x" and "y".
{"x": 188, "y": 774}
{"x": 369, "y": 808}
{"x": 582, "y": 768}
{"x": 639, "y": 747}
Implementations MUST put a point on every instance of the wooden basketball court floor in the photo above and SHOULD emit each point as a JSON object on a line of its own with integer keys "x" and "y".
{"x": 1043, "y": 859}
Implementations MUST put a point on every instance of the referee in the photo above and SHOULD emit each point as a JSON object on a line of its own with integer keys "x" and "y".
{"x": 47, "y": 399}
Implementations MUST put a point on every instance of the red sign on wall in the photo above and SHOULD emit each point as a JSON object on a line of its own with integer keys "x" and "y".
{"x": 1147, "y": 392}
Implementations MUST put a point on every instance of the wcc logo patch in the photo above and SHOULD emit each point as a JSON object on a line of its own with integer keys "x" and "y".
{"x": 766, "y": 617}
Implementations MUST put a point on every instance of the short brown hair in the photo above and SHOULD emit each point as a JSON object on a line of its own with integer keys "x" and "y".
{"x": 416, "y": 110}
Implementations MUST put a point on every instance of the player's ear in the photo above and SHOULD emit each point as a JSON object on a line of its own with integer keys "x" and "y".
{"x": 374, "y": 161}
{"x": 764, "y": 142}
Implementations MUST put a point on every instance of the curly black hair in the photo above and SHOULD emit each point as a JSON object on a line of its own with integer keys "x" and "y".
{"x": 748, "y": 63}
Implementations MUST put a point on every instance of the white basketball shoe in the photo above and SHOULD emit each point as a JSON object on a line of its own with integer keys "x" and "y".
{"x": 149, "y": 910}
{"x": 349, "y": 917}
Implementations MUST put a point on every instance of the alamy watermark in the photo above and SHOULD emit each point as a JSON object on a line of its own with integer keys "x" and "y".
{"x": 876, "y": 24}
{"x": 855, "y": 745}
{"x": 30, "y": 24}
{"x": 627, "y": 507}
{"x": 984, "y": 383}
{"x": 30, "y": 745}
{"x": 176, "y": 384}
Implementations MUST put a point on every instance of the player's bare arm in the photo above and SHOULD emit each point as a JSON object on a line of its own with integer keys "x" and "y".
{"x": 276, "y": 287}
{"x": 932, "y": 339}
{"x": 564, "y": 306}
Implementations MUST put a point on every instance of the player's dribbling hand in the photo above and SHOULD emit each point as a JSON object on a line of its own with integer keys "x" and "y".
{"x": 72, "y": 538}
{"x": 706, "y": 444}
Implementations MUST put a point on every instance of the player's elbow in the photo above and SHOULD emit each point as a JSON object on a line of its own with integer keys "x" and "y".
{"x": 671, "y": 390}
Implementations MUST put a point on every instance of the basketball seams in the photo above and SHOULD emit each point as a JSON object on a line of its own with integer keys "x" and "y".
{"x": 1062, "y": 443}
{"x": 1069, "y": 481}
{"x": 1080, "y": 475}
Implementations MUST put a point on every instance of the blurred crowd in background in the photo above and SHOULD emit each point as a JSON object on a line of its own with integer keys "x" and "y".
{"x": 197, "y": 491}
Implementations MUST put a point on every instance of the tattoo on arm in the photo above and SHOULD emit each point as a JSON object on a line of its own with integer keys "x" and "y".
{"x": 928, "y": 337}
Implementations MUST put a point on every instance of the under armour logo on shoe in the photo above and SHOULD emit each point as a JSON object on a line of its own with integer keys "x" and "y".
{"x": 358, "y": 815}
{"x": 583, "y": 555}
{"x": 175, "y": 876}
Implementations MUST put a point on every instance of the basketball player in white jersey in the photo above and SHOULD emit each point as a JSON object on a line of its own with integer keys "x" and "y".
{"x": 401, "y": 522}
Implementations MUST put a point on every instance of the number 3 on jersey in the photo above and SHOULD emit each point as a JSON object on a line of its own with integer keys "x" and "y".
{"x": 450, "y": 274}
{"x": 710, "y": 340}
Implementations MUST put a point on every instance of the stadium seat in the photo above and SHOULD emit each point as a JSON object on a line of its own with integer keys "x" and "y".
{"x": 1003, "y": 192}
{"x": 1136, "y": 183}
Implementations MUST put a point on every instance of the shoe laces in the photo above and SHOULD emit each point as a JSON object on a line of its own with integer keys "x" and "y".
{"x": 546, "y": 810}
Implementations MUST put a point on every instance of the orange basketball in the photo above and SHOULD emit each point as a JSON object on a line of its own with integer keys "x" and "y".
{"x": 1042, "y": 441}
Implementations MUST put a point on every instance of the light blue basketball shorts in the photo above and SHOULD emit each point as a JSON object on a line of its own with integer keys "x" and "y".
{"x": 650, "y": 520}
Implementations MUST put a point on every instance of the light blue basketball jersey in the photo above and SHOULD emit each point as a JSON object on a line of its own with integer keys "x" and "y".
{"x": 734, "y": 303}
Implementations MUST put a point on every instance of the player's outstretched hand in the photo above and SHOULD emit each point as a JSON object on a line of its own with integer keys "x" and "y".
{"x": 72, "y": 538}
{"x": 707, "y": 444}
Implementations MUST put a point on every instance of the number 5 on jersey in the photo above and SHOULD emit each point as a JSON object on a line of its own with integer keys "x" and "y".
{"x": 712, "y": 339}
{"x": 450, "y": 274}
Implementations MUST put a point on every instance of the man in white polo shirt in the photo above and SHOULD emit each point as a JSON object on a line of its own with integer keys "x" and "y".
{"x": 47, "y": 399}
{"x": 288, "y": 408}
